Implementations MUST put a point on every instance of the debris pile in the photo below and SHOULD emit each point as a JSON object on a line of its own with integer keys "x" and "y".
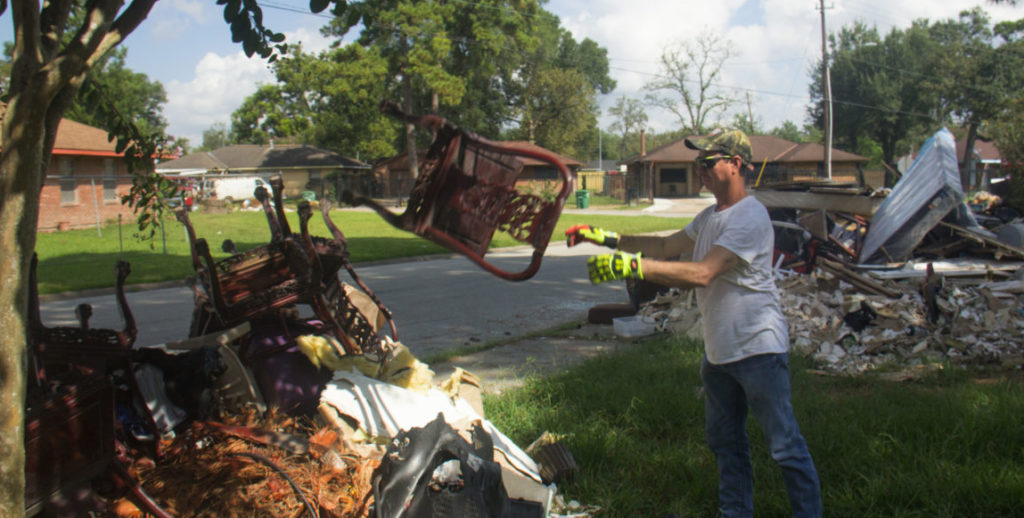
{"x": 848, "y": 331}
{"x": 264, "y": 412}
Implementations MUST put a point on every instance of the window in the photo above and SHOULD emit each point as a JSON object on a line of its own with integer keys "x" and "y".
{"x": 109, "y": 180}
{"x": 673, "y": 176}
{"x": 68, "y": 184}
{"x": 546, "y": 173}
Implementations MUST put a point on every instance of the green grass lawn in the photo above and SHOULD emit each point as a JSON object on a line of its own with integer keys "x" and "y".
{"x": 948, "y": 446}
{"x": 84, "y": 259}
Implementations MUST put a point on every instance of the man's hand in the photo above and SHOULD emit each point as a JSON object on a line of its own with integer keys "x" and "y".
{"x": 617, "y": 265}
{"x": 578, "y": 233}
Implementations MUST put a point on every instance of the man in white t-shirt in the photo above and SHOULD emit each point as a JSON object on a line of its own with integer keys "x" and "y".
{"x": 746, "y": 341}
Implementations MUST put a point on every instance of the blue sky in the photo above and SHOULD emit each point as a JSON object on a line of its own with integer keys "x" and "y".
{"x": 186, "y": 45}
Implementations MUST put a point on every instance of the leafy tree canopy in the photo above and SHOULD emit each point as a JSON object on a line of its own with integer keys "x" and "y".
{"x": 894, "y": 91}
{"x": 330, "y": 101}
{"x": 630, "y": 120}
{"x": 112, "y": 87}
{"x": 215, "y": 137}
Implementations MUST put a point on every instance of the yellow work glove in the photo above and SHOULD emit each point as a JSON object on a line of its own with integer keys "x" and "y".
{"x": 617, "y": 265}
{"x": 578, "y": 233}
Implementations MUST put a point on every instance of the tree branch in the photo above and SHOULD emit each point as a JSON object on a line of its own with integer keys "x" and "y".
{"x": 26, "y": 57}
{"x": 52, "y": 22}
{"x": 129, "y": 21}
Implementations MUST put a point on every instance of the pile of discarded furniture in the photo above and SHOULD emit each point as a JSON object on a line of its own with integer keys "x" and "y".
{"x": 329, "y": 405}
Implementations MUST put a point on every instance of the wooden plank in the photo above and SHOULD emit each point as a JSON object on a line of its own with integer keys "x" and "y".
{"x": 860, "y": 281}
{"x": 861, "y": 205}
{"x": 959, "y": 267}
{"x": 977, "y": 236}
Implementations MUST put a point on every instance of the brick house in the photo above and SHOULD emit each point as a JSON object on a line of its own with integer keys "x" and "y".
{"x": 670, "y": 171}
{"x": 84, "y": 180}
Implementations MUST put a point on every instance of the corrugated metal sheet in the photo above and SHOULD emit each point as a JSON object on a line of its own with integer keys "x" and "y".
{"x": 926, "y": 194}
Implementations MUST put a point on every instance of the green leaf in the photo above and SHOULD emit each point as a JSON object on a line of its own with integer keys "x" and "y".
{"x": 318, "y": 5}
{"x": 351, "y": 18}
{"x": 249, "y": 46}
{"x": 232, "y": 9}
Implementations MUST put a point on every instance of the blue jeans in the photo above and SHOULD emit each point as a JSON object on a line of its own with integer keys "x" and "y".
{"x": 762, "y": 384}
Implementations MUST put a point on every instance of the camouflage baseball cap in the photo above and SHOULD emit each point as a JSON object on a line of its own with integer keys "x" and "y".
{"x": 728, "y": 142}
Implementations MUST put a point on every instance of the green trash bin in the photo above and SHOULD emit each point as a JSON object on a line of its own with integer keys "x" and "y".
{"x": 582, "y": 199}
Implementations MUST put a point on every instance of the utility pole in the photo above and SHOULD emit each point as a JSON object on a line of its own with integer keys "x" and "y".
{"x": 827, "y": 90}
{"x": 750, "y": 113}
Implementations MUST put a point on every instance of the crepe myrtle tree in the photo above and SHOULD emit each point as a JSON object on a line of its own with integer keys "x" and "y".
{"x": 52, "y": 55}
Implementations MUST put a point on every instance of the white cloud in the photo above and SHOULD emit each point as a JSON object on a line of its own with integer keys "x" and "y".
{"x": 169, "y": 21}
{"x": 774, "y": 51}
{"x": 220, "y": 85}
{"x": 198, "y": 11}
{"x": 311, "y": 40}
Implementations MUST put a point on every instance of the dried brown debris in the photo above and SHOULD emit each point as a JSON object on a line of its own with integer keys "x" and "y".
{"x": 207, "y": 472}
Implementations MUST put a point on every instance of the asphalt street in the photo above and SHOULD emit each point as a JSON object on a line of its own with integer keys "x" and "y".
{"x": 437, "y": 304}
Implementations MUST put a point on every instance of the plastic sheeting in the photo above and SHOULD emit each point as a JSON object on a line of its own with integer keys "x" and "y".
{"x": 383, "y": 410}
{"x": 926, "y": 194}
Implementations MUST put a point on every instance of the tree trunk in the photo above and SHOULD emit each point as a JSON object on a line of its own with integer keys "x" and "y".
{"x": 28, "y": 140}
{"x": 21, "y": 172}
{"x": 410, "y": 128}
{"x": 967, "y": 161}
{"x": 410, "y": 131}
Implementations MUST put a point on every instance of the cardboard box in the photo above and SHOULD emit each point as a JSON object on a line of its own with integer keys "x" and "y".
{"x": 633, "y": 326}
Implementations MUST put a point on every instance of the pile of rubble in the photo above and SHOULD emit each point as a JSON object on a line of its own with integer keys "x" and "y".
{"x": 851, "y": 332}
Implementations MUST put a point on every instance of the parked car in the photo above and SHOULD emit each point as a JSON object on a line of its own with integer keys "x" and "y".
{"x": 234, "y": 188}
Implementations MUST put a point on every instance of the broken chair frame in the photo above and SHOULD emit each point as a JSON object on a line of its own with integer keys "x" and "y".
{"x": 290, "y": 269}
{"x": 467, "y": 190}
{"x": 99, "y": 349}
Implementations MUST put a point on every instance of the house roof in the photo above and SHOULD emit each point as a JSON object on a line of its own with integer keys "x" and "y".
{"x": 814, "y": 152}
{"x": 983, "y": 149}
{"x": 81, "y": 139}
{"x": 253, "y": 157}
{"x": 763, "y": 147}
{"x": 75, "y": 138}
{"x": 570, "y": 162}
{"x": 401, "y": 160}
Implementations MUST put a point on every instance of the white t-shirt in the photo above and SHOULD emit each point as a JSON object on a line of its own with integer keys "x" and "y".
{"x": 741, "y": 307}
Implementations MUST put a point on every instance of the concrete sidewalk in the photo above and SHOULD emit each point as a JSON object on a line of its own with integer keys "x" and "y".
{"x": 667, "y": 207}
{"x": 510, "y": 365}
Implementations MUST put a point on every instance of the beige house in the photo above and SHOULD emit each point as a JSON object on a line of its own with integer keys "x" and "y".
{"x": 669, "y": 171}
{"x": 302, "y": 168}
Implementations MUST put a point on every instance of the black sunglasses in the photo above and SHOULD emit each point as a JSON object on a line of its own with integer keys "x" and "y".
{"x": 709, "y": 162}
